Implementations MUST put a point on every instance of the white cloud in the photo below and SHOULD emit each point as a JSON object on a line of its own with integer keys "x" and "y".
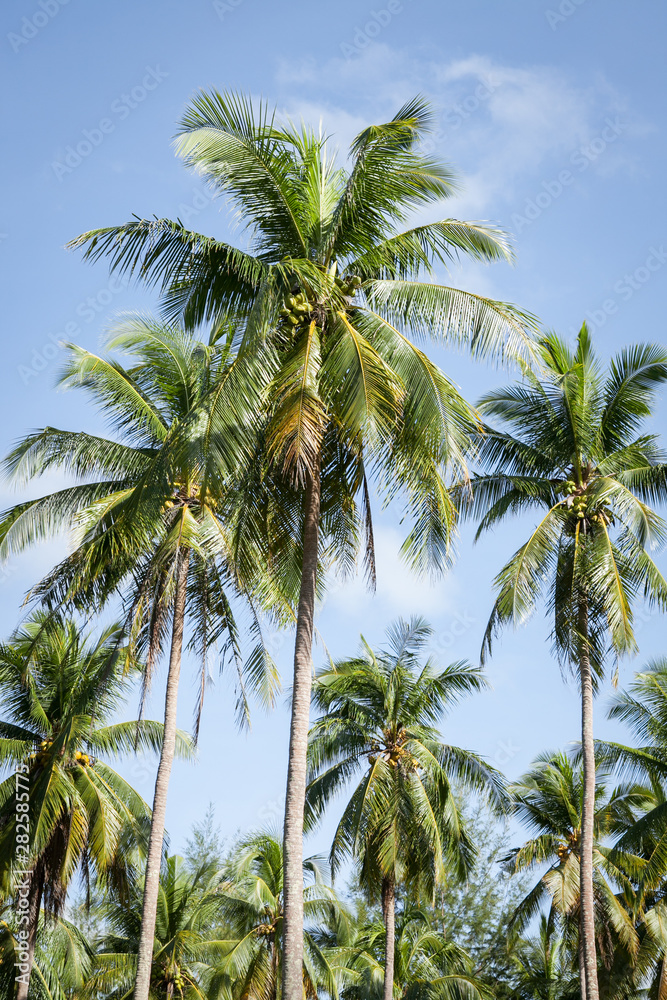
{"x": 399, "y": 591}
{"x": 500, "y": 125}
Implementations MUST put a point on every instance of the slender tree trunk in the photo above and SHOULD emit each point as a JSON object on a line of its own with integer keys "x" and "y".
{"x": 24, "y": 969}
{"x": 588, "y": 810}
{"x": 582, "y": 964}
{"x": 389, "y": 917}
{"x": 156, "y": 840}
{"x": 662, "y": 983}
{"x": 295, "y": 796}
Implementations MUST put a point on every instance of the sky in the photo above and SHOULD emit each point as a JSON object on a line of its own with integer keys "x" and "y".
{"x": 552, "y": 114}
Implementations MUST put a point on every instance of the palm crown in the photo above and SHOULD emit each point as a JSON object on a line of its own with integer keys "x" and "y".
{"x": 380, "y": 715}
{"x": 548, "y": 801}
{"x": 326, "y": 292}
{"x": 59, "y": 690}
{"x": 574, "y": 447}
{"x": 251, "y": 907}
{"x": 150, "y": 499}
{"x": 186, "y": 934}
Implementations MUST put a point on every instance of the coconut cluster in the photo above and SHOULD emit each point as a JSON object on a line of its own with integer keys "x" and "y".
{"x": 349, "y": 285}
{"x": 295, "y": 311}
{"x": 579, "y": 504}
{"x": 174, "y": 977}
{"x": 42, "y": 753}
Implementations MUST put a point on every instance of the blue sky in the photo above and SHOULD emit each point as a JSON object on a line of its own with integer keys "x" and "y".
{"x": 552, "y": 113}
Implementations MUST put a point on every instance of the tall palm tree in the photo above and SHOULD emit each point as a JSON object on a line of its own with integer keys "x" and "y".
{"x": 149, "y": 517}
{"x": 548, "y": 800}
{"x": 59, "y": 690}
{"x": 379, "y": 716}
{"x": 572, "y": 445}
{"x": 252, "y": 910}
{"x": 329, "y": 291}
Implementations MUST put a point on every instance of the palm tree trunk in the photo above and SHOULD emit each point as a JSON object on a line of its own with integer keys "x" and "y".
{"x": 389, "y": 917}
{"x": 295, "y": 796}
{"x": 662, "y": 983}
{"x": 24, "y": 971}
{"x": 582, "y": 963}
{"x": 588, "y": 809}
{"x": 156, "y": 840}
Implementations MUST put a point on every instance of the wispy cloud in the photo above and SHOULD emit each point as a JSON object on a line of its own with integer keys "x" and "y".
{"x": 500, "y": 125}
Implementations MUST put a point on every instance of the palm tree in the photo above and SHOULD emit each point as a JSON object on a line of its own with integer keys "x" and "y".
{"x": 149, "y": 517}
{"x": 328, "y": 293}
{"x": 548, "y": 800}
{"x": 59, "y": 690}
{"x": 62, "y": 959}
{"x": 428, "y": 967}
{"x": 402, "y": 824}
{"x": 186, "y": 933}
{"x": 574, "y": 447}
{"x": 643, "y": 707}
{"x": 252, "y": 910}
{"x": 542, "y": 967}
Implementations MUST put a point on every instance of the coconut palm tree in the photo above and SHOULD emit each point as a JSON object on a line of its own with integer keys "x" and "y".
{"x": 548, "y": 800}
{"x": 402, "y": 824}
{"x": 252, "y": 910}
{"x": 543, "y": 968}
{"x": 643, "y": 708}
{"x": 149, "y": 516}
{"x": 187, "y": 927}
{"x": 59, "y": 690}
{"x": 62, "y": 960}
{"x": 427, "y": 965}
{"x": 572, "y": 445}
{"x": 329, "y": 291}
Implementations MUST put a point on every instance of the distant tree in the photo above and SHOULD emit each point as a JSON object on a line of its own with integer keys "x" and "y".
{"x": 475, "y": 911}
{"x": 60, "y": 688}
{"x": 572, "y": 445}
{"x": 379, "y": 726}
{"x": 205, "y": 847}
